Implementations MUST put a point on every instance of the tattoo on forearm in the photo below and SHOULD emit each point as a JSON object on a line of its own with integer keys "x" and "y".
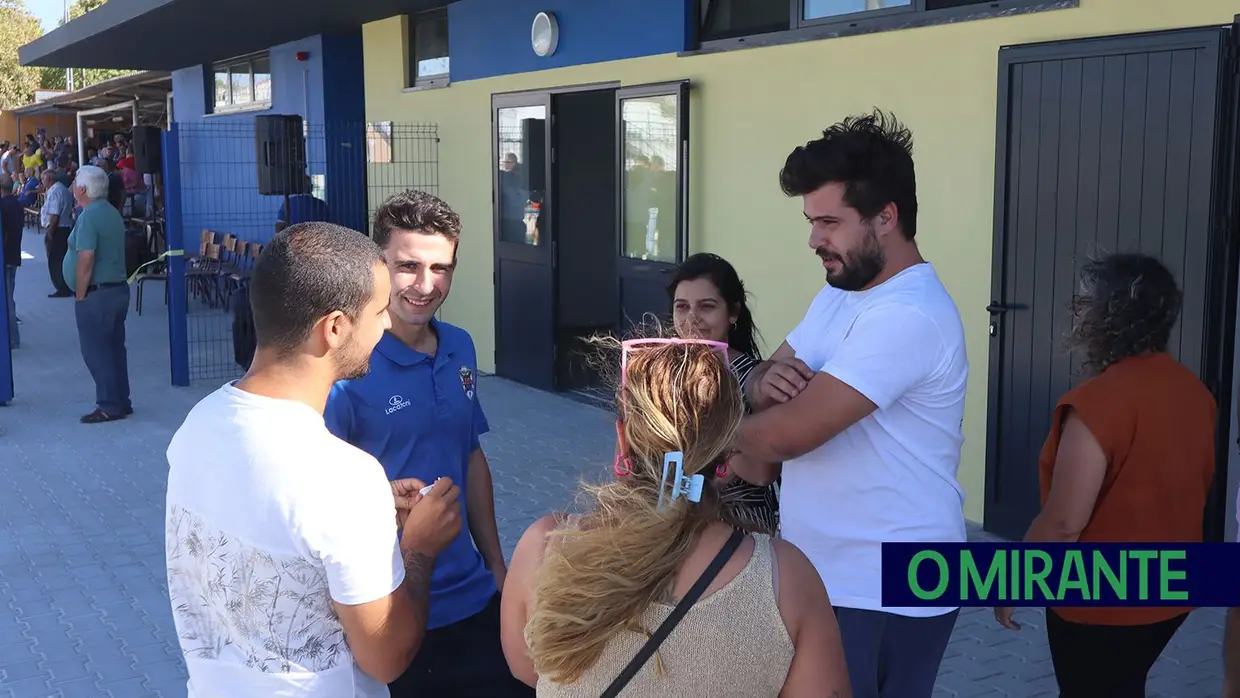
{"x": 418, "y": 569}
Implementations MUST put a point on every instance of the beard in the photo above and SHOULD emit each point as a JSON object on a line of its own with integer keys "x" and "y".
{"x": 859, "y": 266}
{"x": 352, "y": 364}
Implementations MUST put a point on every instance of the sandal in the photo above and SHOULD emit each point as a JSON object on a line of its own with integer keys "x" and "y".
{"x": 99, "y": 417}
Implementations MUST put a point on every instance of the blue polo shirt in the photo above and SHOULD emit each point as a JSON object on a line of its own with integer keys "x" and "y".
{"x": 420, "y": 417}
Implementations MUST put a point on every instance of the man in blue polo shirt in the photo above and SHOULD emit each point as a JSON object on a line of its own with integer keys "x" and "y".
{"x": 418, "y": 413}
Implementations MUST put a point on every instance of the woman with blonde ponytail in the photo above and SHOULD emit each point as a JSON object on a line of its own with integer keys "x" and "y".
{"x": 586, "y": 593}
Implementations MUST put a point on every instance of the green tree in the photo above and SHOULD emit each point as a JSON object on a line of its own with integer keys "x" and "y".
{"x": 54, "y": 78}
{"x": 17, "y": 28}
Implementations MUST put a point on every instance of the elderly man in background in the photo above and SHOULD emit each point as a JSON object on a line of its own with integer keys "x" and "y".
{"x": 95, "y": 270}
{"x": 12, "y": 220}
{"x": 56, "y": 219}
{"x": 28, "y": 192}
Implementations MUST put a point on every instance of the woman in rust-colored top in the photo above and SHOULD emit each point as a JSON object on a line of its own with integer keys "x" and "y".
{"x": 1129, "y": 459}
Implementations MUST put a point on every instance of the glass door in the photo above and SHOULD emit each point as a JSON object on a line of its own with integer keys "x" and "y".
{"x": 524, "y": 270}
{"x": 652, "y": 130}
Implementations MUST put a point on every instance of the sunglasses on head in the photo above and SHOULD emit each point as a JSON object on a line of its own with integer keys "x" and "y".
{"x": 628, "y": 346}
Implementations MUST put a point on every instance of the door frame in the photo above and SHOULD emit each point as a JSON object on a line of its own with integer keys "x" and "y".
{"x": 1227, "y": 227}
{"x": 1218, "y": 344}
{"x": 630, "y": 267}
{"x": 542, "y": 254}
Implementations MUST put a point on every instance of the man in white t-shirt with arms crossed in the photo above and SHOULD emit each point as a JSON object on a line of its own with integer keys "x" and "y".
{"x": 863, "y": 403}
{"x": 284, "y": 568}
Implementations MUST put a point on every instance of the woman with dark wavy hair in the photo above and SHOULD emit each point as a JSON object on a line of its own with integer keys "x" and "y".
{"x": 1129, "y": 459}
{"x": 709, "y": 302}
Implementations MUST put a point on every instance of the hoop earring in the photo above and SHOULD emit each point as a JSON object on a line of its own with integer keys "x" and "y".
{"x": 721, "y": 470}
{"x": 626, "y": 470}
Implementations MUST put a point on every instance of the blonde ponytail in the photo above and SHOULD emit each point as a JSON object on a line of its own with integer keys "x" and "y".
{"x": 603, "y": 570}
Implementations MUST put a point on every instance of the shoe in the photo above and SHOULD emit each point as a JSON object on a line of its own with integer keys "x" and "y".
{"x": 99, "y": 417}
{"x": 60, "y": 294}
{"x": 128, "y": 411}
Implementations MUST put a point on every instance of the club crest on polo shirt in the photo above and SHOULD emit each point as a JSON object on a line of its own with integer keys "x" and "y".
{"x": 467, "y": 381}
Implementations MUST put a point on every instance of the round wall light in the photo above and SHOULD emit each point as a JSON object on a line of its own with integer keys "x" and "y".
{"x": 545, "y": 34}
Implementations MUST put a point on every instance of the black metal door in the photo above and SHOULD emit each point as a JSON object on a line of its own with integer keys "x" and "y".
{"x": 1104, "y": 145}
{"x": 524, "y": 240}
{"x": 652, "y": 140}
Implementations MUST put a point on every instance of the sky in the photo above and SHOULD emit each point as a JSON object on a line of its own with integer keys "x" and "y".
{"x": 48, "y": 11}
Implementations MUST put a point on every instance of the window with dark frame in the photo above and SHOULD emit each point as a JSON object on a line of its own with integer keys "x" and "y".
{"x": 720, "y": 20}
{"x": 428, "y": 49}
{"x": 242, "y": 83}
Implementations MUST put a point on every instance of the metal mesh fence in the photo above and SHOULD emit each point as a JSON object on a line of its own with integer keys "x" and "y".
{"x": 242, "y": 181}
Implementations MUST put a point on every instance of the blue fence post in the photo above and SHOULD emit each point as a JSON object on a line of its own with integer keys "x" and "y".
{"x": 6, "y": 354}
{"x": 178, "y": 303}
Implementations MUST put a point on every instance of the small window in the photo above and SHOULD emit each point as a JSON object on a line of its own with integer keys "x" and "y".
{"x": 819, "y": 9}
{"x": 726, "y": 19}
{"x": 932, "y": 5}
{"x": 242, "y": 83}
{"x": 262, "y": 79}
{"x": 428, "y": 49}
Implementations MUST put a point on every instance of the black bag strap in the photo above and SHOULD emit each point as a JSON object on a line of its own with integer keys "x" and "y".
{"x": 699, "y": 588}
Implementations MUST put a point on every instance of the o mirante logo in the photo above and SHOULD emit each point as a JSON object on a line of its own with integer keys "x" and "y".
{"x": 1027, "y": 574}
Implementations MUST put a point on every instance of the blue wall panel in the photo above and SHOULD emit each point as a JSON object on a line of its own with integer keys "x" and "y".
{"x": 492, "y": 37}
{"x": 218, "y": 173}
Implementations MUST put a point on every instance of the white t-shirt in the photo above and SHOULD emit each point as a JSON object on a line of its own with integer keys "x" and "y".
{"x": 892, "y": 475}
{"x": 269, "y": 519}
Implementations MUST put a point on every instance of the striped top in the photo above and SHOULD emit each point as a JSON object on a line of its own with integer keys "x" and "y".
{"x": 754, "y": 508}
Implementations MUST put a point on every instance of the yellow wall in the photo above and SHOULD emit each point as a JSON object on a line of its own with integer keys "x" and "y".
{"x": 749, "y": 109}
{"x": 56, "y": 125}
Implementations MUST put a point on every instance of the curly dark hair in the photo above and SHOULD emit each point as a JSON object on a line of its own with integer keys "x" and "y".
{"x": 871, "y": 155}
{"x": 416, "y": 211}
{"x": 1127, "y": 305}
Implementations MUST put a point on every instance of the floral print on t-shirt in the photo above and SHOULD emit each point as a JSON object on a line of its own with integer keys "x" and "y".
{"x": 239, "y": 604}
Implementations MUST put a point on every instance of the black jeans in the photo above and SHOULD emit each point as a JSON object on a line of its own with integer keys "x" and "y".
{"x": 57, "y": 244}
{"x": 1105, "y": 661}
{"x": 462, "y": 660}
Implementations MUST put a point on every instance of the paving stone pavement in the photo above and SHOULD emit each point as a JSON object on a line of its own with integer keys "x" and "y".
{"x": 83, "y": 602}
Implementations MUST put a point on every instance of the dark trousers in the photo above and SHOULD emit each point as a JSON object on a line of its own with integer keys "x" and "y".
{"x": 462, "y": 660}
{"x": 1105, "y": 661}
{"x": 10, "y": 285}
{"x": 101, "y": 333}
{"x": 892, "y": 656}
{"x": 57, "y": 244}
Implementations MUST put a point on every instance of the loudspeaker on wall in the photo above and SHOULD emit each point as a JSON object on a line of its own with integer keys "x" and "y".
{"x": 280, "y": 151}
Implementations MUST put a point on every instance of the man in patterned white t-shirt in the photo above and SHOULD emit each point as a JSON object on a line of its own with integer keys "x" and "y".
{"x": 294, "y": 567}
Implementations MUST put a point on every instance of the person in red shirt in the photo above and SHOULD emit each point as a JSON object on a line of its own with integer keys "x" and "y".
{"x": 1129, "y": 459}
{"x": 127, "y": 160}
